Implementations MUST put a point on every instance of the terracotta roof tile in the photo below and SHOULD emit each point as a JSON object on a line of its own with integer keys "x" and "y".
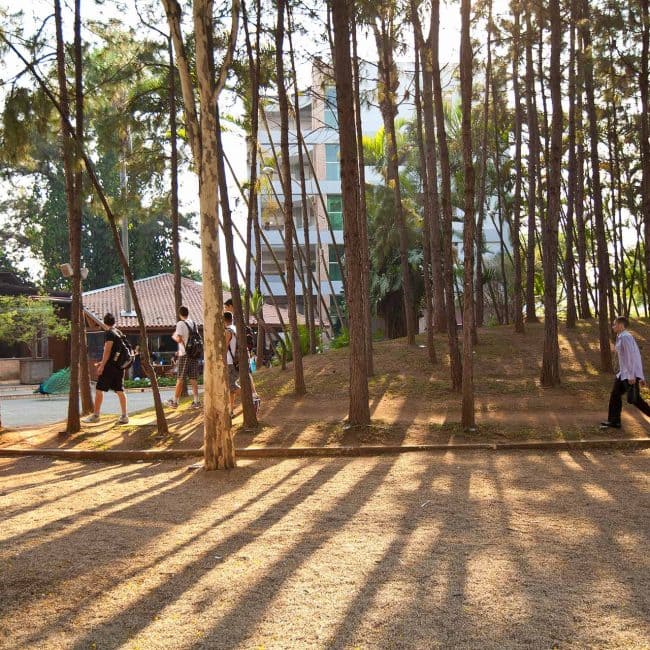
{"x": 156, "y": 296}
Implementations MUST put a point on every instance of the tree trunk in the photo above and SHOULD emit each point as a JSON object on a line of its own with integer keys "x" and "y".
{"x": 569, "y": 259}
{"x": 359, "y": 411}
{"x": 602, "y": 253}
{"x": 283, "y": 104}
{"x": 445, "y": 170}
{"x": 219, "y": 449}
{"x": 74, "y": 225}
{"x": 550, "y": 375}
{"x": 426, "y": 195}
{"x": 432, "y": 200}
{"x": 363, "y": 211}
{"x": 173, "y": 171}
{"x": 466, "y": 59}
{"x": 516, "y": 207}
{"x": 388, "y": 84}
{"x": 533, "y": 161}
{"x": 644, "y": 130}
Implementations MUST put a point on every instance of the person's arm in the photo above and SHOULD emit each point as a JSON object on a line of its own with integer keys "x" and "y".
{"x": 108, "y": 346}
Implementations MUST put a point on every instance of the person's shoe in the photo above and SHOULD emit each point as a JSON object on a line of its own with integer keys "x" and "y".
{"x": 610, "y": 425}
{"x": 123, "y": 419}
{"x": 196, "y": 405}
{"x": 171, "y": 403}
{"x": 92, "y": 418}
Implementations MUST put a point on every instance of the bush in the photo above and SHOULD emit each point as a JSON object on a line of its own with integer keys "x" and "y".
{"x": 342, "y": 340}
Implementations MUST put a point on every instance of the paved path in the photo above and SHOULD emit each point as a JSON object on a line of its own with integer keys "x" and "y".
{"x": 36, "y": 410}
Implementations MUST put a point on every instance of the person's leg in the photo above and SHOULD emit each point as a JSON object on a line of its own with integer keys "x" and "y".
{"x": 99, "y": 399}
{"x": 195, "y": 390}
{"x": 122, "y": 398}
{"x": 615, "y": 402}
{"x": 179, "y": 389}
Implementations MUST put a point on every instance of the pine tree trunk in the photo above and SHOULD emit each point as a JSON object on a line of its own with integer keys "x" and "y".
{"x": 283, "y": 105}
{"x": 550, "y": 375}
{"x": 468, "y": 415}
{"x": 516, "y": 207}
{"x": 602, "y": 253}
{"x": 363, "y": 211}
{"x": 388, "y": 84}
{"x": 359, "y": 411}
{"x": 74, "y": 225}
{"x": 445, "y": 169}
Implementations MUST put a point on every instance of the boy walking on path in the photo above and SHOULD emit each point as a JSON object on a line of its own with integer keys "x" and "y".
{"x": 629, "y": 378}
{"x": 187, "y": 368}
{"x": 111, "y": 376}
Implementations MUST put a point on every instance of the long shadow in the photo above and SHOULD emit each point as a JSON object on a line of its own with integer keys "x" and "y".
{"x": 8, "y": 512}
{"x": 121, "y": 627}
{"x": 389, "y": 564}
{"x": 63, "y": 522}
{"x": 234, "y": 627}
{"x": 141, "y": 568}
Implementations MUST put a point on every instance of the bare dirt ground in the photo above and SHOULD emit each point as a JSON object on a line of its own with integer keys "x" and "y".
{"x": 411, "y": 400}
{"x": 469, "y": 550}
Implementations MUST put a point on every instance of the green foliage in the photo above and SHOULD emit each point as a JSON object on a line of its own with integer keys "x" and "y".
{"x": 23, "y": 319}
{"x": 342, "y": 340}
{"x": 303, "y": 333}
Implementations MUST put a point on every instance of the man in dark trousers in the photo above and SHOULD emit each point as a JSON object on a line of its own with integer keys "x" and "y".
{"x": 629, "y": 377}
{"x": 111, "y": 376}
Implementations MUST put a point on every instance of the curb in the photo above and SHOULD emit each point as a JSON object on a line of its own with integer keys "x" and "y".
{"x": 151, "y": 455}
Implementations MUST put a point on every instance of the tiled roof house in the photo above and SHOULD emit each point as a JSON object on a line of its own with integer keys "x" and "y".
{"x": 156, "y": 296}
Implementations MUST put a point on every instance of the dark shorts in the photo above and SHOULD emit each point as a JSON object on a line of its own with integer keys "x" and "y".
{"x": 233, "y": 378}
{"x": 111, "y": 379}
{"x": 188, "y": 368}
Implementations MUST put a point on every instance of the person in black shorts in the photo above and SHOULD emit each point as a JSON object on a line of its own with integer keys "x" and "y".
{"x": 111, "y": 377}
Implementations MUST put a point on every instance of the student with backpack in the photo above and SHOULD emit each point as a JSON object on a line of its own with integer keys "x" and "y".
{"x": 190, "y": 350}
{"x": 232, "y": 360}
{"x": 115, "y": 359}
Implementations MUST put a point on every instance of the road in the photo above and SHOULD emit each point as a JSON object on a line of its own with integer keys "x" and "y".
{"x": 35, "y": 410}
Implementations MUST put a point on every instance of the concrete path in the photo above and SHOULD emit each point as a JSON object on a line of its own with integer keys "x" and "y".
{"x": 20, "y": 409}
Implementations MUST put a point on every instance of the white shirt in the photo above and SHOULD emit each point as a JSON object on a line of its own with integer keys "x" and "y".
{"x": 629, "y": 357}
{"x": 231, "y": 351}
{"x": 183, "y": 329}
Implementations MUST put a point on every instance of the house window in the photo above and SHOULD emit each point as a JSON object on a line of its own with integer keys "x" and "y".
{"x": 332, "y": 163}
{"x": 330, "y": 117}
{"x": 334, "y": 268}
{"x": 335, "y": 211}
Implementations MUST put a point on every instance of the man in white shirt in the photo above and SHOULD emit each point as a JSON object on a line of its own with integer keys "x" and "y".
{"x": 629, "y": 377}
{"x": 187, "y": 368}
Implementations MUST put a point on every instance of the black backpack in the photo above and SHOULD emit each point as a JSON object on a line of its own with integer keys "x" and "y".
{"x": 122, "y": 353}
{"x": 251, "y": 343}
{"x": 194, "y": 345}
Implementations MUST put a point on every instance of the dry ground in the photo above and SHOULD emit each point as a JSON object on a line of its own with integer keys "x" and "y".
{"x": 480, "y": 550}
{"x": 411, "y": 401}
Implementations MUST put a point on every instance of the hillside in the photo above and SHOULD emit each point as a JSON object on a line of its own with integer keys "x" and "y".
{"x": 411, "y": 401}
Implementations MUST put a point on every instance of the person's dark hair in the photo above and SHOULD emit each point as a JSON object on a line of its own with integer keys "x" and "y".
{"x": 227, "y": 316}
{"x": 109, "y": 319}
{"x": 228, "y": 302}
{"x": 623, "y": 320}
{"x": 183, "y": 311}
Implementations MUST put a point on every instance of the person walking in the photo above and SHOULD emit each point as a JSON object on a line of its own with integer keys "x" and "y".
{"x": 187, "y": 369}
{"x": 111, "y": 376}
{"x": 629, "y": 377}
{"x": 232, "y": 361}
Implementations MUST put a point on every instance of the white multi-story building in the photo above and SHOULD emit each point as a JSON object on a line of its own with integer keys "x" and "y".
{"x": 318, "y": 125}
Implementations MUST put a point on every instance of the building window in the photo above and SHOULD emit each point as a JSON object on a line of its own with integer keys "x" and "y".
{"x": 332, "y": 163}
{"x": 334, "y": 268}
{"x": 335, "y": 211}
{"x": 330, "y": 116}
